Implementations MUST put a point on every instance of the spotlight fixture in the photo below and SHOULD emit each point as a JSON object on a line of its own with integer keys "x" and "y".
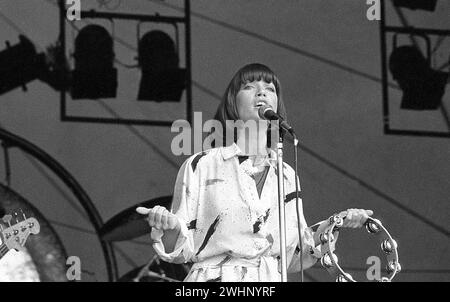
{"x": 423, "y": 87}
{"x": 94, "y": 75}
{"x": 162, "y": 79}
{"x": 19, "y": 65}
{"x": 429, "y": 5}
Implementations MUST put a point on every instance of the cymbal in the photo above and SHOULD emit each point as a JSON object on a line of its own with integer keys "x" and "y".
{"x": 129, "y": 224}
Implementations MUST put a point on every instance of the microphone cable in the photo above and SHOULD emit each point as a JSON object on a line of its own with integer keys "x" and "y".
{"x": 298, "y": 205}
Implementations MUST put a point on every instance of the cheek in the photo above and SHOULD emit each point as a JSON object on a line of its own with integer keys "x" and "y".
{"x": 239, "y": 100}
{"x": 274, "y": 103}
{"x": 239, "y": 105}
{"x": 243, "y": 100}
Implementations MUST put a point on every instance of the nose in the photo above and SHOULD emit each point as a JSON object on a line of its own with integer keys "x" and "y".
{"x": 260, "y": 93}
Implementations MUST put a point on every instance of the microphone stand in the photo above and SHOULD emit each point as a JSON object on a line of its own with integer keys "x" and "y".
{"x": 281, "y": 209}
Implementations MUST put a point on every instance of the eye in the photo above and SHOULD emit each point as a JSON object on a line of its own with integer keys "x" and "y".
{"x": 272, "y": 89}
{"x": 247, "y": 86}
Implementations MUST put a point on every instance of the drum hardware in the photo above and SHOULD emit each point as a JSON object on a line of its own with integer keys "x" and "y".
{"x": 145, "y": 271}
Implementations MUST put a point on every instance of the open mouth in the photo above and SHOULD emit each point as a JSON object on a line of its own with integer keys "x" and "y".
{"x": 260, "y": 103}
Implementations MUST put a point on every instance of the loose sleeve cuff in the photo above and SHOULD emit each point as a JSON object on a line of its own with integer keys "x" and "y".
{"x": 183, "y": 245}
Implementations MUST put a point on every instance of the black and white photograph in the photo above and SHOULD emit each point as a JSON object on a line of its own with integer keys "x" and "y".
{"x": 247, "y": 142}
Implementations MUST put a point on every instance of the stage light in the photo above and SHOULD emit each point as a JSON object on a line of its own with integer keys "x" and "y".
{"x": 423, "y": 87}
{"x": 94, "y": 75}
{"x": 429, "y": 5}
{"x": 19, "y": 65}
{"x": 57, "y": 69}
{"x": 162, "y": 79}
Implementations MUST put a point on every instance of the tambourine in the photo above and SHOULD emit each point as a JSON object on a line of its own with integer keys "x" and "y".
{"x": 328, "y": 240}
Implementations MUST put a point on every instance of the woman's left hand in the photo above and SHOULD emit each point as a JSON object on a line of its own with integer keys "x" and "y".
{"x": 355, "y": 218}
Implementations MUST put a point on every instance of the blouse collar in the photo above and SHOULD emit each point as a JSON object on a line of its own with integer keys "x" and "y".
{"x": 234, "y": 151}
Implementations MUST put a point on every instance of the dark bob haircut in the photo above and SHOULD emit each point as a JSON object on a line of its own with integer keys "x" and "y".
{"x": 227, "y": 109}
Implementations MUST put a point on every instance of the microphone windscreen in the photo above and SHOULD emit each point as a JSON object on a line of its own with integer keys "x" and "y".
{"x": 262, "y": 111}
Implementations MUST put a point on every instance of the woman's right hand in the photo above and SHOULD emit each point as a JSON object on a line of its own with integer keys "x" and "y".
{"x": 160, "y": 218}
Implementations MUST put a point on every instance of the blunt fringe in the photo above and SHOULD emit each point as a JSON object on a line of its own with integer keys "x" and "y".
{"x": 227, "y": 109}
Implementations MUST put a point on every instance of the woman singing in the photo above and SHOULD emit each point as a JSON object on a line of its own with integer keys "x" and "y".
{"x": 224, "y": 216}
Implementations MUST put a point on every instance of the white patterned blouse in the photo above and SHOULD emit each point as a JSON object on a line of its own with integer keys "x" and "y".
{"x": 228, "y": 230}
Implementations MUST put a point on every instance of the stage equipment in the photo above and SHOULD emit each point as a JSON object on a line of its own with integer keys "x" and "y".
{"x": 94, "y": 75}
{"x": 46, "y": 252}
{"x": 157, "y": 85}
{"x": 55, "y": 259}
{"x": 157, "y": 271}
{"x": 423, "y": 87}
{"x": 162, "y": 79}
{"x": 14, "y": 236}
{"x": 128, "y": 224}
{"x": 19, "y": 65}
{"x": 330, "y": 260}
{"x": 429, "y": 5}
{"x": 422, "y": 84}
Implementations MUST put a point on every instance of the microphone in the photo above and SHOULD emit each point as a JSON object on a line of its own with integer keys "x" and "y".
{"x": 267, "y": 113}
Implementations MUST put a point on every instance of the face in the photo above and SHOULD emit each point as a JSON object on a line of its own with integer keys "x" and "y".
{"x": 253, "y": 95}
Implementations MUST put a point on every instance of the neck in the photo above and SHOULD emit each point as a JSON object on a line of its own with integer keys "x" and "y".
{"x": 253, "y": 143}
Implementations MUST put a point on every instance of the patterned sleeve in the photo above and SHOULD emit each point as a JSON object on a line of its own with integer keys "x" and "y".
{"x": 184, "y": 206}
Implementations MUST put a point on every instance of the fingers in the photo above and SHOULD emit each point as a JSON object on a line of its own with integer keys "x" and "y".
{"x": 343, "y": 214}
{"x": 159, "y": 217}
{"x": 356, "y": 218}
{"x": 360, "y": 217}
{"x": 142, "y": 210}
{"x": 349, "y": 220}
{"x": 151, "y": 217}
